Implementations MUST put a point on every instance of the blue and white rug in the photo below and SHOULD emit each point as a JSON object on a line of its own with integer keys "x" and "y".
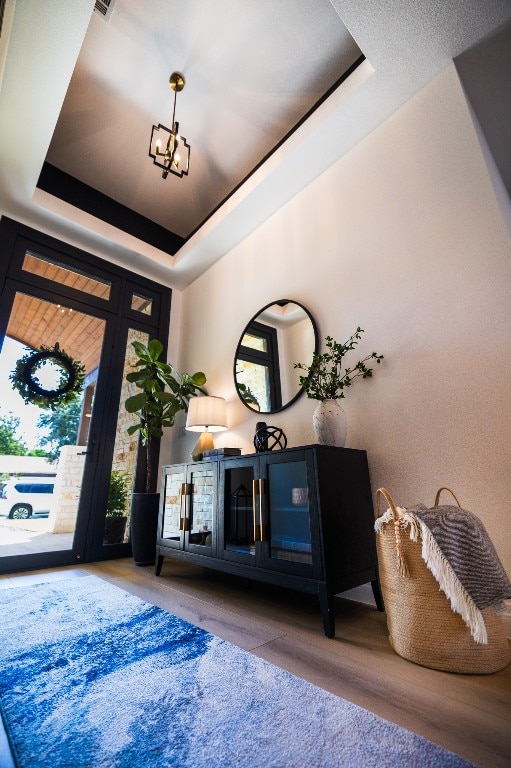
{"x": 93, "y": 677}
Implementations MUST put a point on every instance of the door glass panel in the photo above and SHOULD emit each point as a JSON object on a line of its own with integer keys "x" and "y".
{"x": 201, "y": 512}
{"x": 256, "y": 378}
{"x": 173, "y": 504}
{"x": 255, "y": 342}
{"x": 45, "y": 447}
{"x": 143, "y": 304}
{"x": 289, "y": 516}
{"x": 239, "y": 510}
{"x": 124, "y": 460}
{"x": 66, "y": 275}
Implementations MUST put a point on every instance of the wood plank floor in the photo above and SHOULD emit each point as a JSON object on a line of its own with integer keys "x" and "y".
{"x": 467, "y": 714}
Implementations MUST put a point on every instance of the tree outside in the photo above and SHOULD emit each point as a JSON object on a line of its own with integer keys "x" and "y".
{"x": 10, "y": 444}
{"x": 61, "y": 428}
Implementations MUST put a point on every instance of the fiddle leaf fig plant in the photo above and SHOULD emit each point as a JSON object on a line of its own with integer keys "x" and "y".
{"x": 325, "y": 378}
{"x": 164, "y": 392}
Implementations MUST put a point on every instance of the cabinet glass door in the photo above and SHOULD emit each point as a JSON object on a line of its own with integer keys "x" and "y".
{"x": 240, "y": 495}
{"x": 200, "y": 508}
{"x": 289, "y": 534}
{"x": 172, "y": 525}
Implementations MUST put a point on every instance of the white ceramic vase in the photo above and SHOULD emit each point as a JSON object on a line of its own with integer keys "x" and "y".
{"x": 330, "y": 423}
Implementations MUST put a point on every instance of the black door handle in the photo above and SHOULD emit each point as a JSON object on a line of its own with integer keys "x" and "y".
{"x": 91, "y": 444}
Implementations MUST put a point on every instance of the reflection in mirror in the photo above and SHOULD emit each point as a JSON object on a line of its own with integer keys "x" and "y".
{"x": 281, "y": 334}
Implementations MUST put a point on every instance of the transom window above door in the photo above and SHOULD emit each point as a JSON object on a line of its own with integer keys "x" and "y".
{"x": 64, "y": 274}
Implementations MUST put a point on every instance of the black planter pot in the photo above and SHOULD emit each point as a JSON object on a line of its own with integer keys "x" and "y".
{"x": 144, "y": 523}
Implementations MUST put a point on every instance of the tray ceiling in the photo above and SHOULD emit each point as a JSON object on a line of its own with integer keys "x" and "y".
{"x": 253, "y": 72}
{"x": 79, "y": 95}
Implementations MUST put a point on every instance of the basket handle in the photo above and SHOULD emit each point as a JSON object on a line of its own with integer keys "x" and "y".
{"x": 389, "y": 500}
{"x": 401, "y": 562}
{"x": 445, "y": 488}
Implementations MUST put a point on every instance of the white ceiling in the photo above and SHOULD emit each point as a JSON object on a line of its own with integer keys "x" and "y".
{"x": 82, "y": 94}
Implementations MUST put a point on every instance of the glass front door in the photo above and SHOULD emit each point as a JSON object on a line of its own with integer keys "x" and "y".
{"x": 49, "y": 443}
{"x": 67, "y": 465}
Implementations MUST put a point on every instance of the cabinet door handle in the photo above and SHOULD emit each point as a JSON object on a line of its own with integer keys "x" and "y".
{"x": 184, "y": 513}
{"x": 255, "y": 492}
{"x": 261, "y": 526}
{"x": 181, "y": 515}
{"x": 258, "y": 491}
{"x": 188, "y": 503}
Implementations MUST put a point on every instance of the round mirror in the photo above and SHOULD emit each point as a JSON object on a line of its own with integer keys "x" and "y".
{"x": 281, "y": 334}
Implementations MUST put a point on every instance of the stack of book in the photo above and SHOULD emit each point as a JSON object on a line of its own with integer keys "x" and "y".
{"x": 218, "y": 453}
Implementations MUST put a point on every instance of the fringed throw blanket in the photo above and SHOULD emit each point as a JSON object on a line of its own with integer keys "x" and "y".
{"x": 459, "y": 553}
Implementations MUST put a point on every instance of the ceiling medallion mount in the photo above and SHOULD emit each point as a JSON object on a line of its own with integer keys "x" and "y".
{"x": 177, "y": 81}
{"x": 169, "y": 150}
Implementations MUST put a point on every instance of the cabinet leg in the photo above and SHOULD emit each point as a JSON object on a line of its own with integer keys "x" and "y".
{"x": 326, "y": 602}
{"x": 378, "y": 597}
{"x": 159, "y": 563}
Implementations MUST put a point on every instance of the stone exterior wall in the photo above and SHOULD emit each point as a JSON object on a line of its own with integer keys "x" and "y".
{"x": 125, "y": 446}
{"x": 68, "y": 485}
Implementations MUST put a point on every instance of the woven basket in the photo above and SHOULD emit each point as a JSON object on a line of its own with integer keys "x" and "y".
{"x": 422, "y": 626}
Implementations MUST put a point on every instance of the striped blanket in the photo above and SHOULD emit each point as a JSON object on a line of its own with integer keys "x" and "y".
{"x": 460, "y": 554}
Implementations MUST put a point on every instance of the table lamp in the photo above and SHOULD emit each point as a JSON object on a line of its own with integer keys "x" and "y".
{"x": 206, "y": 414}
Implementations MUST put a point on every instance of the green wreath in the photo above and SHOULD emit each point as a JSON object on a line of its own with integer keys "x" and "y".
{"x": 72, "y": 375}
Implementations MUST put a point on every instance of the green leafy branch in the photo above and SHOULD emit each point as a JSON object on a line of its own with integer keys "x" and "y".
{"x": 325, "y": 378}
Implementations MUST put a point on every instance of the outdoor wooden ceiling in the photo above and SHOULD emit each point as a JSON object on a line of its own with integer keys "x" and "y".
{"x": 35, "y": 322}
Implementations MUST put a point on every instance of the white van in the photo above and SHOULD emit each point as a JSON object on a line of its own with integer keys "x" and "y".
{"x": 21, "y": 498}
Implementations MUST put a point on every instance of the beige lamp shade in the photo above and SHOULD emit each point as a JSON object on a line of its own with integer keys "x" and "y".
{"x": 205, "y": 414}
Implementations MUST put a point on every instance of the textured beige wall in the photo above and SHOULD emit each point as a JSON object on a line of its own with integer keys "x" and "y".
{"x": 405, "y": 238}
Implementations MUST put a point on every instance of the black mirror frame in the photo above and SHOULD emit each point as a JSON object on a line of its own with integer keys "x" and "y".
{"x": 254, "y": 319}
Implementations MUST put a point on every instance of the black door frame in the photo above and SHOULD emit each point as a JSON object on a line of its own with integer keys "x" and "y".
{"x": 15, "y": 240}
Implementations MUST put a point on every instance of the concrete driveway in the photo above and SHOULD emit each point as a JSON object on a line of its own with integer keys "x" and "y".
{"x": 24, "y": 537}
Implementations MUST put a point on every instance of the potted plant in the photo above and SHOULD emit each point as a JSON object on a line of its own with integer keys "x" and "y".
{"x": 164, "y": 392}
{"x": 326, "y": 381}
{"x": 116, "y": 517}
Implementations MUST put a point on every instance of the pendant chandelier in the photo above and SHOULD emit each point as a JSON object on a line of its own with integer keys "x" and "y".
{"x": 169, "y": 150}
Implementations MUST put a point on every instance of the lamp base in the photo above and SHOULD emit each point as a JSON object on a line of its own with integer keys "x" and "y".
{"x": 204, "y": 443}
